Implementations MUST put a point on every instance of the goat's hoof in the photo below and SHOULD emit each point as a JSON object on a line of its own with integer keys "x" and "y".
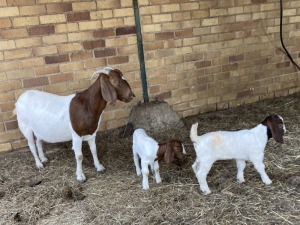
{"x": 44, "y": 160}
{"x": 240, "y": 181}
{"x": 267, "y": 182}
{"x": 206, "y": 192}
{"x": 81, "y": 178}
{"x": 39, "y": 166}
{"x": 101, "y": 171}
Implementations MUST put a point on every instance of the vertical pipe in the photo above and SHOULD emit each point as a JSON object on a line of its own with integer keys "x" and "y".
{"x": 140, "y": 50}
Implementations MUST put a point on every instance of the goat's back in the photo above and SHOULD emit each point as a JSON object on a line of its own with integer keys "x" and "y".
{"x": 45, "y": 114}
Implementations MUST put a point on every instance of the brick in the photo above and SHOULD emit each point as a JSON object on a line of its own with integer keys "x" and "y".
{"x": 210, "y": 22}
{"x": 90, "y": 25}
{"x": 57, "y": 59}
{"x": 31, "y": 62}
{"x": 78, "y": 16}
{"x": 69, "y": 47}
{"x": 9, "y": 12}
{"x": 47, "y": 50}
{"x": 20, "y": 2}
{"x": 59, "y": 8}
{"x": 189, "y": 6}
{"x": 5, "y": 23}
{"x": 6, "y": 45}
{"x": 9, "y": 65}
{"x": 17, "y": 144}
{"x": 184, "y": 33}
{"x": 4, "y": 147}
{"x": 82, "y": 6}
{"x": 88, "y": 45}
{"x": 52, "y": 19}
{"x": 108, "y": 4}
{"x": 10, "y": 85}
{"x": 41, "y": 30}
{"x": 61, "y": 77}
{"x": 153, "y": 46}
{"x": 55, "y": 39}
{"x": 14, "y": 33}
{"x": 283, "y": 64}
{"x": 164, "y": 36}
{"x": 16, "y": 54}
{"x": 66, "y": 28}
{"x": 109, "y": 32}
{"x": 105, "y": 53}
{"x": 51, "y": 69}
{"x": 123, "y": 12}
{"x": 80, "y": 56}
{"x": 95, "y": 63}
{"x": 34, "y": 82}
{"x": 3, "y": 3}
{"x": 102, "y": 14}
{"x": 11, "y": 125}
{"x": 82, "y": 36}
{"x": 32, "y": 10}
{"x": 236, "y": 58}
{"x": 181, "y": 16}
{"x": 29, "y": 42}
{"x": 72, "y": 66}
{"x": 115, "y": 22}
{"x": 229, "y": 67}
{"x": 203, "y": 64}
{"x": 118, "y": 60}
{"x": 162, "y": 18}
{"x": 125, "y": 30}
{"x": 258, "y": 1}
{"x": 25, "y": 21}
{"x": 120, "y": 41}
{"x": 151, "y": 28}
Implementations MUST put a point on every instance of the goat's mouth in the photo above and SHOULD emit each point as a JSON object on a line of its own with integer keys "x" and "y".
{"x": 129, "y": 98}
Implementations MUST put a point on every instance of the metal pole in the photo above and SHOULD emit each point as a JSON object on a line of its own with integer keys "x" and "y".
{"x": 140, "y": 50}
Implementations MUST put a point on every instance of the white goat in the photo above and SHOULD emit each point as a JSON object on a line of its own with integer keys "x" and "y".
{"x": 240, "y": 145}
{"x": 52, "y": 118}
{"x": 150, "y": 152}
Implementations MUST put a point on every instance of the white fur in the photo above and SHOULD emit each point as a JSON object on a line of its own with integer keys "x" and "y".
{"x": 145, "y": 148}
{"x": 46, "y": 116}
{"x": 240, "y": 145}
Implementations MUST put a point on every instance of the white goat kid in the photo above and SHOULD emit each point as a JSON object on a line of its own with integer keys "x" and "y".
{"x": 150, "y": 152}
{"x": 240, "y": 145}
{"x": 52, "y": 118}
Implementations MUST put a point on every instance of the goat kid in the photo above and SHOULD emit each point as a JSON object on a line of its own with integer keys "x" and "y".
{"x": 240, "y": 145}
{"x": 150, "y": 152}
{"x": 52, "y": 118}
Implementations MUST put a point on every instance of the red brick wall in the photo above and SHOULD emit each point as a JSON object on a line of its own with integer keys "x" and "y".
{"x": 200, "y": 55}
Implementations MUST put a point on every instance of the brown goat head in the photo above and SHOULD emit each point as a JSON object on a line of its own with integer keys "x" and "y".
{"x": 171, "y": 150}
{"x": 275, "y": 126}
{"x": 114, "y": 87}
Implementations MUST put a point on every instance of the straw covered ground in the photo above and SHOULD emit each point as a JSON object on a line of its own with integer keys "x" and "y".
{"x": 53, "y": 196}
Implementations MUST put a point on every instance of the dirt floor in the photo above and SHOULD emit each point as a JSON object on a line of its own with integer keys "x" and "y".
{"x": 53, "y": 196}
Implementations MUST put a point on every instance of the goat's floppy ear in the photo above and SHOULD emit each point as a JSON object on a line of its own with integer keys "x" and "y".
{"x": 107, "y": 90}
{"x": 277, "y": 133}
{"x": 169, "y": 154}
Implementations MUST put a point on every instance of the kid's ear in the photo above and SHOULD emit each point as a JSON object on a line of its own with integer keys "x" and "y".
{"x": 169, "y": 155}
{"x": 107, "y": 90}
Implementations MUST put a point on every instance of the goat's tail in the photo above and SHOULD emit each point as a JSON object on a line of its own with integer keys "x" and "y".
{"x": 193, "y": 133}
{"x": 13, "y": 114}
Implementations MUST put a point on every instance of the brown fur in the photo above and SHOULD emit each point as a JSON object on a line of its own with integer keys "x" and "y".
{"x": 87, "y": 106}
{"x": 275, "y": 127}
{"x": 169, "y": 151}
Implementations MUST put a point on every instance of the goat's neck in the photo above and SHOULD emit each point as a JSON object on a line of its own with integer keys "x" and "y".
{"x": 94, "y": 97}
{"x": 160, "y": 152}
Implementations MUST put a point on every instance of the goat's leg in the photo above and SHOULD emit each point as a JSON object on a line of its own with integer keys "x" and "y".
{"x": 29, "y": 136}
{"x": 136, "y": 162}
{"x": 241, "y": 164}
{"x": 77, "y": 147}
{"x": 39, "y": 146}
{"x": 145, "y": 172}
{"x": 195, "y": 166}
{"x": 92, "y": 144}
{"x": 156, "y": 171}
{"x": 201, "y": 175}
{"x": 260, "y": 167}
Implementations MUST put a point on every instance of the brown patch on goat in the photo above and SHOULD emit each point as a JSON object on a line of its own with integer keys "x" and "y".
{"x": 170, "y": 150}
{"x": 275, "y": 127}
{"x": 87, "y": 106}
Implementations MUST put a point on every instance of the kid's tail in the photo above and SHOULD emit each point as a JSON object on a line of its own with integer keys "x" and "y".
{"x": 193, "y": 133}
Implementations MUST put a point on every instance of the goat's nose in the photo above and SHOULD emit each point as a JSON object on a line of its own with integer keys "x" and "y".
{"x": 132, "y": 95}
